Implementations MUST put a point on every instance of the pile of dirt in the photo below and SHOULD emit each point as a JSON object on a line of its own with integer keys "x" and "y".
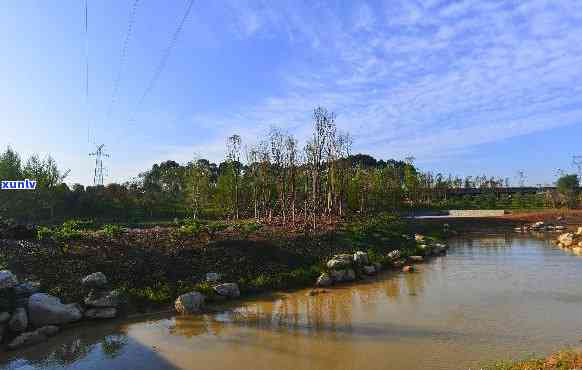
{"x": 154, "y": 257}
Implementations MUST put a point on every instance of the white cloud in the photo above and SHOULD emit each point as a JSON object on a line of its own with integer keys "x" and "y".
{"x": 428, "y": 79}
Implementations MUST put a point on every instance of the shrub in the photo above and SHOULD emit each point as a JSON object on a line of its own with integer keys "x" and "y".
{"x": 216, "y": 227}
{"x": 44, "y": 233}
{"x": 247, "y": 229}
{"x": 112, "y": 230}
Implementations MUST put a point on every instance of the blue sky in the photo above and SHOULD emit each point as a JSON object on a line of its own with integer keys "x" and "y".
{"x": 467, "y": 87}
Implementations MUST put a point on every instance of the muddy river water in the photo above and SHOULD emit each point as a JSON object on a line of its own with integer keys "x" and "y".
{"x": 492, "y": 297}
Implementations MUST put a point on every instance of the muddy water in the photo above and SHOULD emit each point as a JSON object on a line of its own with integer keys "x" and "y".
{"x": 492, "y": 297}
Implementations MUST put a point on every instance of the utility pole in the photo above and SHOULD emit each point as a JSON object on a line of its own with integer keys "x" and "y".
{"x": 98, "y": 174}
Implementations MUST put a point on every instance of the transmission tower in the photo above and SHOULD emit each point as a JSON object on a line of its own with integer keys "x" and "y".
{"x": 521, "y": 178}
{"x": 98, "y": 174}
{"x": 577, "y": 162}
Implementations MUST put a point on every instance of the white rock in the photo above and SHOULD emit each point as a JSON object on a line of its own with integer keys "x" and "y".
{"x": 7, "y": 279}
{"x": 227, "y": 290}
{"x": 101, "y": 313}
{"x": 189, "y": 303}
{"x": 339, "y": 261}
{"x": 212, "y": 277}
{"x": 579, "y": 231}
{"x": 566, "y": 239}
{"x": 44, "y": 309}
{"x": 360, "y": 258}
{"x": 19, "y": 321}
{"x": 95, "y": 280}
{"x": 324, "y": 280}
{"x": 103, "y": 299}
{"x": 369, "y": 270}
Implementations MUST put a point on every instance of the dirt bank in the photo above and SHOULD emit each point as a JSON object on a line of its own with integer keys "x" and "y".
{"x": 158, "y": 264}
{"x": 500, "y": 223}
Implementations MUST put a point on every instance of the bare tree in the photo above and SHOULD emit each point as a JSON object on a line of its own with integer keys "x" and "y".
{"x": 233, "y": 149}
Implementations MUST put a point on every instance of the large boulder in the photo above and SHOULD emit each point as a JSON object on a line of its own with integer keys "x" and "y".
{"x": 212, "y": 277}
{"x": 229, "y": 290}
{"x": 7, "y": 279}
{"x": 324, "y": 280}
{"x": 361, "y": 258}
{"x": 4, "y": 316}
{"x": 369, "y": 270}
{"x": 103, "y": 299}
{"x": 343, "y": 275}
{"x": 566, "y": 240}
{"x": 44, "y": 309}
{"x": 538, "y": 225}
{"x": 189, "y": 303}
{"x": 95, "y": 280}
{"x": 48, "y": 330}
{"x": 26, "y": 289}
{"x": 27, "y": 339}
{"x": 377, "y": 266}
{"x": 101, "y": 313}
{"x": 350, "y": 275}
{"x": 340, "y": 261}
{"x": 19, "y": 321}
{"x": 33, "y": 337}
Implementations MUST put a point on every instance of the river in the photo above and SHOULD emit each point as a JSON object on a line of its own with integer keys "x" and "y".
{"x": 492, "y": 297}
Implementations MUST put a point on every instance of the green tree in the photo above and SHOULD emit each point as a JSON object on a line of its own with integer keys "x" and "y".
{"x": 569, "y": 188}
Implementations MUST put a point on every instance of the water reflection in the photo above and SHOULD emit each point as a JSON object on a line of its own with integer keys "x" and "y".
{"x": 493, "y": 296}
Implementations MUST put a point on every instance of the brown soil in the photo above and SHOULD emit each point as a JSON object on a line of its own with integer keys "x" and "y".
{"x": 158, "y": 258}
{"x": 502, "y": 223}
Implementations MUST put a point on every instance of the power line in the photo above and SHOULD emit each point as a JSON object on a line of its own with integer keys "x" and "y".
{"x": 161, "y": 65}
{"x": 122, "y": 58}
{"x": 165, "y": 56}
{"x": 87, "y": 70}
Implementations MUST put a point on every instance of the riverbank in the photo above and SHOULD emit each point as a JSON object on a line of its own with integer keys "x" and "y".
{"x": 507, "y": 222}
{"x": 564, "y": 360}
{"x": 488, "y": 299}
{"x": 146, "y": 270}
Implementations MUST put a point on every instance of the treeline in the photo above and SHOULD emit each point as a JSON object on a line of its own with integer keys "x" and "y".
{"x": 275, "y": 180}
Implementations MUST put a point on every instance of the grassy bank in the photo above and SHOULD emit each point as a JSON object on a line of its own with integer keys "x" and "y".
{"x": 563, "y": 360}
{"x": 153, "y": 266}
